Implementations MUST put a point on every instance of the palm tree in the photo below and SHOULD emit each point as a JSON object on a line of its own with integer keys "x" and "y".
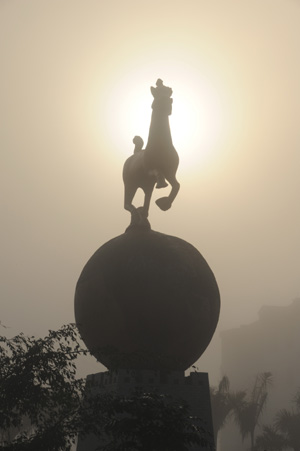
{"x": 270, "y": 439}
{"x": 247, "y": 412}
{"x": 288, "y": 423}
{"x": 222, "y": 404}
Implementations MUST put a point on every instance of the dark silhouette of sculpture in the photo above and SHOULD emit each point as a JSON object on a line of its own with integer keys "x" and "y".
{"x": 147, "y": 303}
{"x": 156, "y": 163}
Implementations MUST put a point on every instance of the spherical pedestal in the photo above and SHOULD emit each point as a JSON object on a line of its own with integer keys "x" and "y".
{"x": 147, "y": 300}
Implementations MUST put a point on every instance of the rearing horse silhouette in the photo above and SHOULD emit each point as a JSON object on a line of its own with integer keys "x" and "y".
{"x": 157, "y": 162}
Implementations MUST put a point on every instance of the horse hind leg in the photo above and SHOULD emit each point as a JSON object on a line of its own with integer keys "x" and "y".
{"x": 165, "y": 203}
{"x": 128, "y": 197}
{"x": 161, "y": 181}
{"x": 148, "y": 193}
{"x": 138, "y": 217}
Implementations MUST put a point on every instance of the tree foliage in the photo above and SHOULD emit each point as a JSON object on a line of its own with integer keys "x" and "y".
{"x": 148, "y": 422}
{"x": 44, "y": 406}
{"x": 220, "y": 404}
{"x": 287, "y": 422}
{"x": 40, "y": 395}
{"x": 284, "y": 433}
{"x": 248, "y": 411}
{"x": 223, "y": 402}
{"x": 270, "y": 439}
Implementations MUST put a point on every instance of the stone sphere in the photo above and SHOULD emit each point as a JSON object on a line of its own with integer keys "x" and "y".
{"x": 147, "y": 300}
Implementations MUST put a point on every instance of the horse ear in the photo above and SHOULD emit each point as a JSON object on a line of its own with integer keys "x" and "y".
{"x": 153, "y": 91}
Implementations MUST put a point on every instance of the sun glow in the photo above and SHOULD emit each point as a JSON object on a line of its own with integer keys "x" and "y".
{"x": 196, "y": 122}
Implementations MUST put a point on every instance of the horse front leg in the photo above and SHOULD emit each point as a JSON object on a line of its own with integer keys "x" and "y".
{"x": 164, "y": 203}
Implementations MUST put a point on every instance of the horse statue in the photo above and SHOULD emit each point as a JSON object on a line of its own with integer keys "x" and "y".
{"x": 155, "y": 164}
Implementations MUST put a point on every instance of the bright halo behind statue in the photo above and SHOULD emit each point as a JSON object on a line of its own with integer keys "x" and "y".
{"x": 197, "y": 119}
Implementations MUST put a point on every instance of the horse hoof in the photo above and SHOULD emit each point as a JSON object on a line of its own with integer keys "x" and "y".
{"x": 139, "y": 220}
{"x": 142, "y": 214}
{"x": 163, "y": 203}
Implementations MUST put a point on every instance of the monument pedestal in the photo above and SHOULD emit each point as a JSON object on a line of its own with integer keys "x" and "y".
{"x": 193, "y": 389}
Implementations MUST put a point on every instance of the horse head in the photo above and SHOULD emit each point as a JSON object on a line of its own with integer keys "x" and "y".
{"x": 162, "y": 105}
{"x": 162, "y": 102}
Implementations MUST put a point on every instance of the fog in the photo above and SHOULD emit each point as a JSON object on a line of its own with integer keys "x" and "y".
{"x": 62, "y": 63}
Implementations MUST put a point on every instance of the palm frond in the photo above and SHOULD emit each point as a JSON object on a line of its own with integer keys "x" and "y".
{"x": 224, "y": 385}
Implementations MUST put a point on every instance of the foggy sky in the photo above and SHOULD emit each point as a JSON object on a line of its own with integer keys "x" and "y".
{"x": 61, "y": 185}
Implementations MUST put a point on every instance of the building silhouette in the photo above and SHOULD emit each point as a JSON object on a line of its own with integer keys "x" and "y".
{"x": 272, "y": 343}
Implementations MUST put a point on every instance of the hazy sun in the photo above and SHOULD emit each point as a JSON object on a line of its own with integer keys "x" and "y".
{"x": 196, "y": 122}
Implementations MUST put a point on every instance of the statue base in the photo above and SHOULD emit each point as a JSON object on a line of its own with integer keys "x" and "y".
{"x": 193, "y": 389}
